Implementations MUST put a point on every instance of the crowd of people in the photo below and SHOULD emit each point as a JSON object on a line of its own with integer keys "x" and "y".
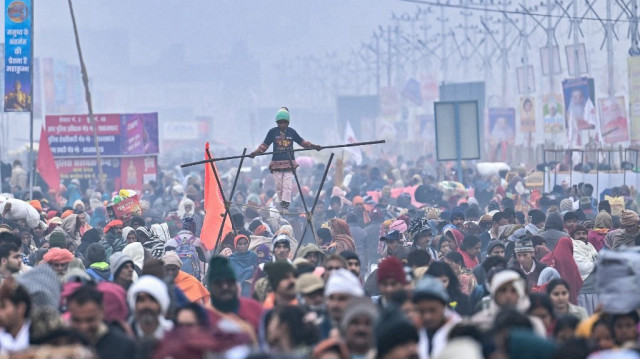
{"x": 392, "y": 264}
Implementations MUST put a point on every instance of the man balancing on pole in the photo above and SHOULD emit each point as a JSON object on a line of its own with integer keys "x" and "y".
{"x": 283, "y": 162}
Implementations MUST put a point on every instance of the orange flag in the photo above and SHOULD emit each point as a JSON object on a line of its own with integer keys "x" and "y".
{"x": 213, "y": 207}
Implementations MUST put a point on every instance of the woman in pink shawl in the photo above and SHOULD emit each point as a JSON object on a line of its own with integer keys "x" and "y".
{"x": 562, "y": 260}
{"x": 341, "y": 239}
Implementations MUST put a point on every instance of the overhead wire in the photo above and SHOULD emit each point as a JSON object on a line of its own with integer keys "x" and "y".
{"x": 513, "y": 12}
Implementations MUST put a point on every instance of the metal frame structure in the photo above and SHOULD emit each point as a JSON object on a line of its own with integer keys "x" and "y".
{"x": 308, "y": 213}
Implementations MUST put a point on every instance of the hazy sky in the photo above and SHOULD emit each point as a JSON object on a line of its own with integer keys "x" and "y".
{"x": 271, "y": 29}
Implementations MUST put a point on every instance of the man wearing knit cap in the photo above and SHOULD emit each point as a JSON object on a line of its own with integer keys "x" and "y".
{"x": 282, "y": 280}
{"x": 58, "y": 259}
{"x": 341, "y": 287}
{"x": 282, "y": 138}
{"x": 188, "y": 284}
{"x": 122, "y": 269}
{"x": 149, "y": 301}
{"x": 357, "y": 327}
{"x": 527, "y": 263}
{"x": 625, "y": 236}
{"x": 432, "y": 302}
{"x": 281, "y": 247}
{"x": 391, "y": 278}
{"x": 221, "y": 280}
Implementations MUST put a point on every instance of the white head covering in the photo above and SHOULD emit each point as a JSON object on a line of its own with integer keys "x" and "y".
{"x": 152, "y": 286}
{"x": 135, "y": 251}
{"x": 345, "y": 282}
{"x": 125, "y": 232}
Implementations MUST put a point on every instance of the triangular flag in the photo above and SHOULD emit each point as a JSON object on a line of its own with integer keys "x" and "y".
{"x": 350, "y": 137}
{"x": 46, "y": 166}
{"x": 213, "y": 207}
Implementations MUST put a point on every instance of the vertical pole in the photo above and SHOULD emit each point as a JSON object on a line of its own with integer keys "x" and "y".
{"x": 443, "y": 33}
{"x": 458, "y": 144}
{"x": 465, "y": 52}
{"x": 576, "y": 40}
{"x": 550, "y": 47}
{"x": 87, "y": 93}
{"x": 633, "y": 27}
{"x": 377, "y": 64}
{"x": 504, "y": 53}
{"x": 609, "y": 37}
{"x": 389, "y": 55}
{"x": 32, "y": 167}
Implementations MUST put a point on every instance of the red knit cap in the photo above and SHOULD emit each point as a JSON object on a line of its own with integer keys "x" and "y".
{"x": 391, "y": 268}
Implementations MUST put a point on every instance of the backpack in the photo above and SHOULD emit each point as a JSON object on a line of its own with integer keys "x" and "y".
{"x": 186, "y": 250}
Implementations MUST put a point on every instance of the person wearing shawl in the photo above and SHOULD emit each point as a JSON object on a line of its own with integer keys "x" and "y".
{"x": 561, "y": 258}
{"x": 71, "y": 227}
{"x": 129, "y": 235}
{"x": 455, "y": 235}
{"x": 113, "y": 241}
{"x": 88, "y": 238}
{"x": 585, "y": 256}
{"x": 244, "y": 263}
{"x": 625, "y": 236}
{"x": 264, "y": 254}
{"x": 553, "y": 230}
{"x": 159, "y": 236}
{"x": 188, "y": 284}
{"x": 136, "y": 252}
{"x": 99, "y": 217}
{"x": 341, "y": 236}
{"x": 503, "y": 285}
{"x": 602, "y": 226}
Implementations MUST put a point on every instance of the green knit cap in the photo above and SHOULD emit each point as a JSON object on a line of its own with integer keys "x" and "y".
{"x": 57, "y": 240}
{"x": 219, "y": 268}
{"x": 282, "y": 115}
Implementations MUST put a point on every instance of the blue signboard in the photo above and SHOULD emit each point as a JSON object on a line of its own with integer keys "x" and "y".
{"x": 17, "y": 65}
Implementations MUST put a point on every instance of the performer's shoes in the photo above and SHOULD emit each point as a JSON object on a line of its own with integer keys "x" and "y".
{"x": 284, "y": 207}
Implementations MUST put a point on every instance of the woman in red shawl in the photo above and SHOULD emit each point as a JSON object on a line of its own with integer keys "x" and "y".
{"x": 562, "y": 260}
{"x": 341, "y": 239}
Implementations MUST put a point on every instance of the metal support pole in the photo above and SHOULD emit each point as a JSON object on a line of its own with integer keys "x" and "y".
{"x": 304, "y": 202}
{"x": 32, "y": 167}
{"x": 458, "y": 144}
{"x": 313, "y": 208}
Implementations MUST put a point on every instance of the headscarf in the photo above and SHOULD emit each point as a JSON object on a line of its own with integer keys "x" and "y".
{"x": 341, "y": 236}
{"x": 58, "y": 255}
{"x": 562, "y": 260}
{"x": 182, "y": 213}
{"x": 115, "y": 222}
{"x": 135, "y": 251}
{"x": 125, "y": 232}
{"x": 628, "y": 218}
{"x": 457, "y": 236}
{"x": 99, "y": 215}
{"x": 69, "y": 225}
{"x": 160, "y": 232}
{"x": 263, "y": 248}
{"x": 554, "y": 221}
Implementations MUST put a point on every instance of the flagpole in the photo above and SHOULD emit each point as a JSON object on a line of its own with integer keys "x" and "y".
{"x": 32, "y": 167}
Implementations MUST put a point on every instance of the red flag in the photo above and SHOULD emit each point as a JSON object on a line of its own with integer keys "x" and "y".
{"x": 213, "y": 207}
{"x": 45, "y": 165}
